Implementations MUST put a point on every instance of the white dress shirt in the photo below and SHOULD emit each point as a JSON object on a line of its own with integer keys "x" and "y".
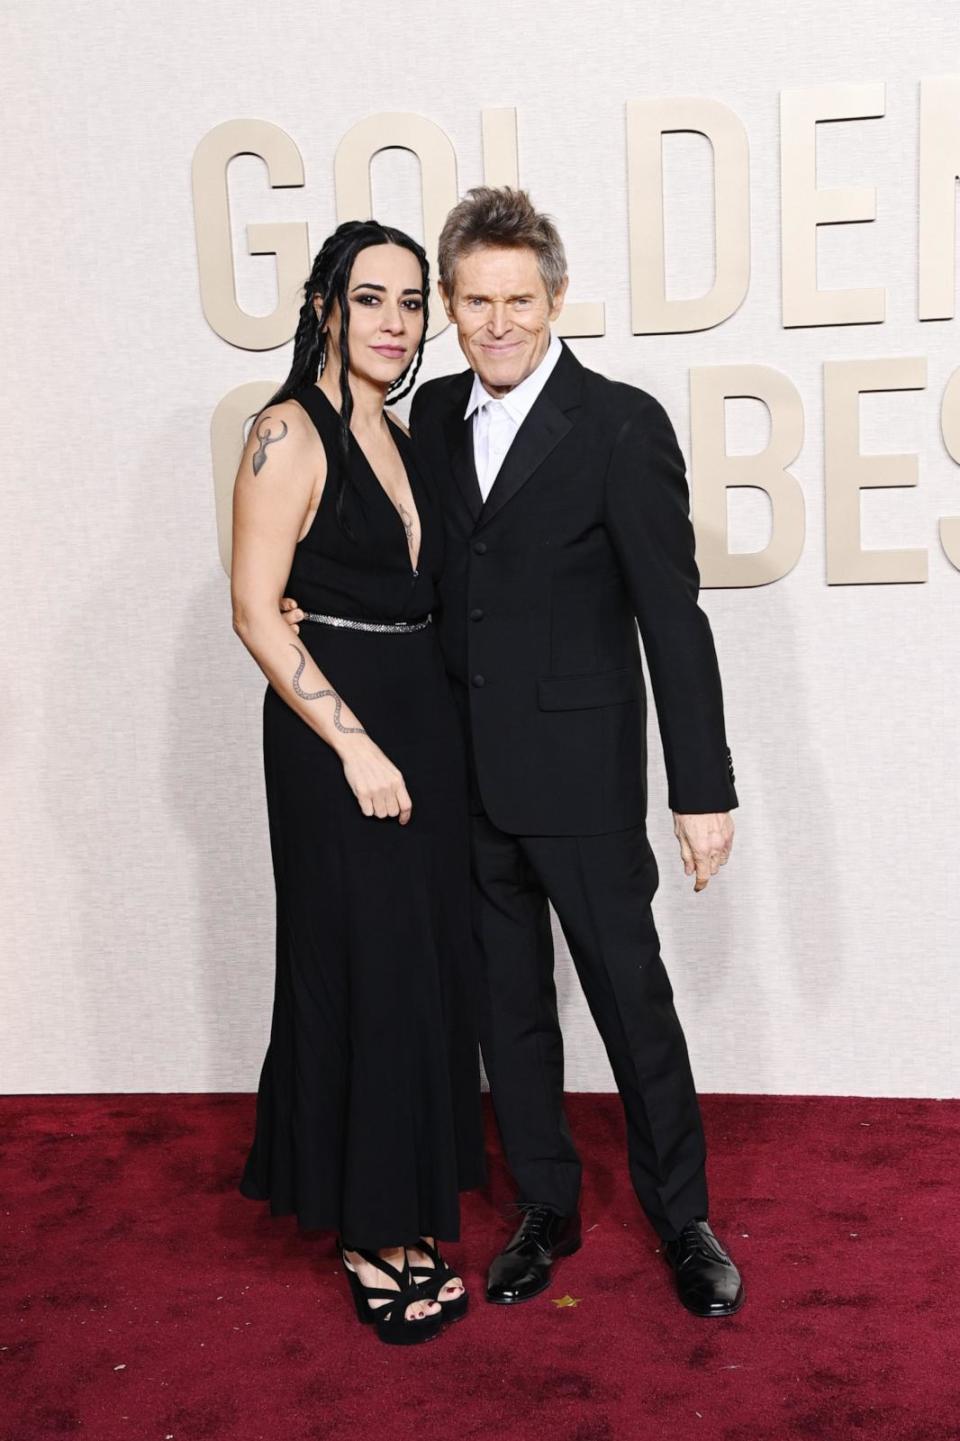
{"x": 496, "y": 422}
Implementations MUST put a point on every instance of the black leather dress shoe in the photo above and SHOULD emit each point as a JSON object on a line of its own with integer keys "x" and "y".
{"x": 708, "y": 1283}
{"x": 522, "y": 1269}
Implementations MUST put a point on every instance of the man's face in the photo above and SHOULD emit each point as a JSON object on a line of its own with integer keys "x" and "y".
{"x": 502, "y": 312}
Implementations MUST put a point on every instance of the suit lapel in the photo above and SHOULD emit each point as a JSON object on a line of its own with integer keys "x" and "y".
{"x": 459, "y": 438}
{"x": 548, "y": 422}
{"x": 460, "y": 446}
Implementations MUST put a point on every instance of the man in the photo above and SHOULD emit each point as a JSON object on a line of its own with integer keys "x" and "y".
{"x": 567, "y": 524}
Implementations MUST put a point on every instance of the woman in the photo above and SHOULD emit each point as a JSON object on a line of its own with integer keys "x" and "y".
{"x": 368, "y": 1117}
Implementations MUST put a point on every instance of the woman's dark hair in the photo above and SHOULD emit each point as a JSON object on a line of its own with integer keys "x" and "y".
{"x": 329, "y": 280}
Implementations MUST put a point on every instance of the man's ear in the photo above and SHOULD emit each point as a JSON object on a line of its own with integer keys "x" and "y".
{"x": 447, "y": 301}
{"x": 559, "y": 298}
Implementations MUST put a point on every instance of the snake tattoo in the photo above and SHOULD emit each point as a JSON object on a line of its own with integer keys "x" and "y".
{"x": 319, "y": 695}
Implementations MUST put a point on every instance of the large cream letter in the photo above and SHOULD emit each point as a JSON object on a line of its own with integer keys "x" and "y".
{"x": 501, "y": 160}
{"x": 950, "y": 426}
{"x": 803, "y": 207}
{"x": 501, "y": 166}
{"x": 400, "y": 130}
{"x": 847, "y": 472}
{"x": 647, "y": 122}
{"x": 289, "y": 241}
{"x": 714, "y": 472}
{"x": 939, "y": 171}
{"x": 227, "y": 440}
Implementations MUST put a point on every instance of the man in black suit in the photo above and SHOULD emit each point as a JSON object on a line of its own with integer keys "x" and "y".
{"x": 567, "y": 524}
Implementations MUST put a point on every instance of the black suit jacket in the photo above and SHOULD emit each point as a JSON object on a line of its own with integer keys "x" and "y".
{"x": 585, "y": 532}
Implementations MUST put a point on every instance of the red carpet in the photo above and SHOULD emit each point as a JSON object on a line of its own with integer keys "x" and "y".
{"x": 144, "y": 1299}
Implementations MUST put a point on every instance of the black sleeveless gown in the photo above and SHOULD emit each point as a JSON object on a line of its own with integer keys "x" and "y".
{"x": 368, "y": 1112}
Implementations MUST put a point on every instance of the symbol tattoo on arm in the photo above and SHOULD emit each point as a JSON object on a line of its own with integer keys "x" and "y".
{"x": 319, "y": 694}
{"x": 266, "y": 437}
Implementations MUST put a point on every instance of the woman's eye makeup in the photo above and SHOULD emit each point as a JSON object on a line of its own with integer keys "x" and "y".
{"x": 368, "y": 298}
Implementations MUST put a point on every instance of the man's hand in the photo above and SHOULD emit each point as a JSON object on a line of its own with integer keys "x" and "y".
{"x": 705, "y": 843}
{"x": 291, "y": 613}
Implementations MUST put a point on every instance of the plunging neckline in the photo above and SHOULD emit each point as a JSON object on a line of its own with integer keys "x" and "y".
{"x": 414, "y": 564}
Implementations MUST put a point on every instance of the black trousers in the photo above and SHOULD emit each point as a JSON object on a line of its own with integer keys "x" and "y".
{"x": 601, "y": 888}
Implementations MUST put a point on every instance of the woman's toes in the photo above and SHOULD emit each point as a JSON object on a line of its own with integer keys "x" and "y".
{"x": 421, "y": 1310}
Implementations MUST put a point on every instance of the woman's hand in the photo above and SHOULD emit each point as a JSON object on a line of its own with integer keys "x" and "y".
{"x": 375, "y": 781}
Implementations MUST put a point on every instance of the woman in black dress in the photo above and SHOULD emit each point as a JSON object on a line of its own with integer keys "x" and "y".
{"x": 368, "y": 1119}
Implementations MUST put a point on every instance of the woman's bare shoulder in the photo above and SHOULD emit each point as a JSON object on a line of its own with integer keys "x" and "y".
{"x": 289, "y": 417}
{"x": 287, "y": 422}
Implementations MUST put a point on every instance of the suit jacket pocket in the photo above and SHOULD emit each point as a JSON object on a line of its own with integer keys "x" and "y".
{"x": 581, "y": 692}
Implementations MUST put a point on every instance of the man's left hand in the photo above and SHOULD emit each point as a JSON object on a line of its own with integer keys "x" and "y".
{"x": 291, "y": 613}
{"x": 705, "y": 843}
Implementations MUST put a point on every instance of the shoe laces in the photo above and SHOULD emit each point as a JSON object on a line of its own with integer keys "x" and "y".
{"x": 536, "y": 1220}
{"x": 694, "y": 1238}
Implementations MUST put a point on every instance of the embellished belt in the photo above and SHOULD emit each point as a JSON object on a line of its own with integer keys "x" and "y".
{"x": 382, "y": 627}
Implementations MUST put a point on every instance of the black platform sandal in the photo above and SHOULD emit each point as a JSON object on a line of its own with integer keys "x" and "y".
{"x": 393, "y": 1326}
{"x": 432, "y": 1280}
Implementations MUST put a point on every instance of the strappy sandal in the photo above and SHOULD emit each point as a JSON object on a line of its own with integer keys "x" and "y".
{"x": 432, "y": 1280}
{"x": 393, "y": 1326}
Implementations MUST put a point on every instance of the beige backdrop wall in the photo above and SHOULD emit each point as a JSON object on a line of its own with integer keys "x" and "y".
{"x": 134, "y": 870}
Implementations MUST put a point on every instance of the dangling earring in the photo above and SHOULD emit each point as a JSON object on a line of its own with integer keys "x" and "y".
{"x": 321, "y": 340}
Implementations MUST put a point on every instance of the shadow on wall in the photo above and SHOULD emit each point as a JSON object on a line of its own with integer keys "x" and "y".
{"x": 775, "y": 911}
{"x": 114, "y": 761}
{"x": 786, "y": 911}
{"x": 214, "y": 790}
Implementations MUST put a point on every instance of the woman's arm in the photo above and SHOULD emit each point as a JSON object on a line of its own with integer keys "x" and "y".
{"x": 276, "y": 493}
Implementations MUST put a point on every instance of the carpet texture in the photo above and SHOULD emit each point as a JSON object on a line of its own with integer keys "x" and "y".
{"x": 144, "y": 1299}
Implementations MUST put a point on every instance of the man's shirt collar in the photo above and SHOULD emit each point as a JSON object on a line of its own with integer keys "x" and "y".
{"x": 519, "y": 401}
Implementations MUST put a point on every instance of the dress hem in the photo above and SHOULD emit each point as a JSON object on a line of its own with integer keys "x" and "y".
{"x": 323, "y": 1222}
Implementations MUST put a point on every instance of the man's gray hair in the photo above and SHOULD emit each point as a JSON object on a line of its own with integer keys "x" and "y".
{"x": 501, "y": 217}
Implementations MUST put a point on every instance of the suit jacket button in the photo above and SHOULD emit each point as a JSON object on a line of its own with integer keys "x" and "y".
{"x": 479, "y": 680}
{"x": 476, "y": 614}
{"x": 480, "y": 547}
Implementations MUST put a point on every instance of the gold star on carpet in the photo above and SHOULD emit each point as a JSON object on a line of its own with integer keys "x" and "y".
{"x": 566, "y": 1301}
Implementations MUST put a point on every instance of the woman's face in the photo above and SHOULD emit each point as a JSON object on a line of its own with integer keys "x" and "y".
{"x": 385, "y": 296}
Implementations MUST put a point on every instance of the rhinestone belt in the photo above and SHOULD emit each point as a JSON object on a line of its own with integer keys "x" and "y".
{"x": 398, "y": 627}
